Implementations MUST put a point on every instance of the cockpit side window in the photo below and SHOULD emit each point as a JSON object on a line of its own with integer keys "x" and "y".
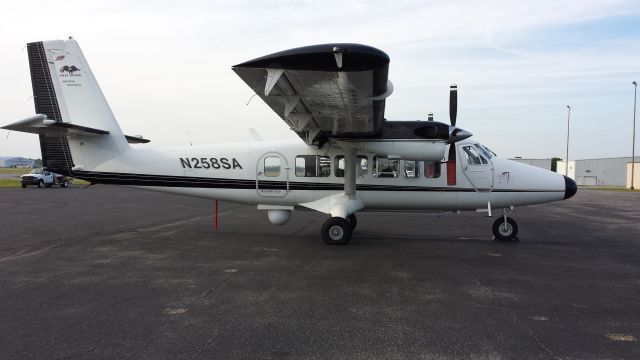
{"x": 472, "y": 156}
{"x": 492, "y": 154}
{"x": 484, "y": 151}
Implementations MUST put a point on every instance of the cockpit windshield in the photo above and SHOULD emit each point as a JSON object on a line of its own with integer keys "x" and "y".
{"x": 485, "y": 151}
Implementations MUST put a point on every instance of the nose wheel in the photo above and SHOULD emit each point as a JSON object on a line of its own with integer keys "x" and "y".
{"x": 505, "y": 229}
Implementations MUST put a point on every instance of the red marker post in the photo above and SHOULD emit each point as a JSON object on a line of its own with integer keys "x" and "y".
{"x": 215, "y": 217}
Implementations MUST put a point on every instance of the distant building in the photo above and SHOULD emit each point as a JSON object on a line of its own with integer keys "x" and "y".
{"x": 636, "y": 175}
{"x": 541, "y": 163}
{"x": 13, "y": 162}
{"x": 599, "y": 172}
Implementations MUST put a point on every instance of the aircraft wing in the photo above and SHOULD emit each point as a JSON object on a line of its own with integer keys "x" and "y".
{"x": 323, "y": 91}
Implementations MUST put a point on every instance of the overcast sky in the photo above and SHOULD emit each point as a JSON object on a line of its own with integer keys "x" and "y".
{"x": 166, "y": 68}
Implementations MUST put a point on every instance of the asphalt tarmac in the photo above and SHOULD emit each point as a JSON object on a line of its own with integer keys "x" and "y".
{"x": 117, "y": 273}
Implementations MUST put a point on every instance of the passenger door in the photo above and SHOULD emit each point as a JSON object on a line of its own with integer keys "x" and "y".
{"x": 477, "y": 168}
{"x": 272, "y": 175}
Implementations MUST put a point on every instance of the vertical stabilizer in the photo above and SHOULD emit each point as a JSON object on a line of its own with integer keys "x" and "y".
{"x": 66, "y": 91}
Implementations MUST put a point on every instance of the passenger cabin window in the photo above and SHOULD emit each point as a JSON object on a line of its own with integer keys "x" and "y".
{"x": 384, "y": 167}
{"x": 411, "y": 169}
{"x": 473, "y": 157}
{"x": 362, "y": 166}
{"x": 271, "y": 166}
{"x": 313, "y": 166}
{"x": 432, "y": 169}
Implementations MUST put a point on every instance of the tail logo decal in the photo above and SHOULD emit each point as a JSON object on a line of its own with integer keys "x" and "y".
{"x": 70, "y": 69}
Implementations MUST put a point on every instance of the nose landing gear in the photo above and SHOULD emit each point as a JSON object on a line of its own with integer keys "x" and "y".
{"x": 505, "y": 228}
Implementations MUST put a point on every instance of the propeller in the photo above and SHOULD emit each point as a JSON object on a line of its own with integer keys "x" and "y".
{"x": 453, "y": 103}
{"x": 453, "y": 132}
{"x": 452, "y": 153}
{"x": 453, "y": 113}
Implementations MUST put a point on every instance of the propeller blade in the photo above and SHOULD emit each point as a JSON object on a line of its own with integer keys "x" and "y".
{"x": 453, "y": 103}
{"x": 452, "y": 153}
{"x": 451, "y": 165}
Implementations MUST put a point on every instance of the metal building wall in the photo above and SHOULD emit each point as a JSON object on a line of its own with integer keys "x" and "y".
{"x": 561, "y": 166}
{"x": 636, "y": 176}
{"x": 16, "y": 162}
{"x": 600, "y": 172}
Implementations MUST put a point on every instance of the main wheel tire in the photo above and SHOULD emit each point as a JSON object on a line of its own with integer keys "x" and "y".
{"x": 65, "y": 184}
{"x": 353, "y": 221}
{"x": 40, "y": 184}
{"x": 505, "y": 232}
{"x": 336, "y": 231}
{"x": 24, "y": 186}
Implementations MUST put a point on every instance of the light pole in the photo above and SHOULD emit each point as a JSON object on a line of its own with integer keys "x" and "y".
{"x": 566, "y": 164}
{"x": 633, "y": 145}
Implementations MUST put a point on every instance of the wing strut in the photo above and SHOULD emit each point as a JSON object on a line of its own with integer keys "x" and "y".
{"x": 349, "y": 171}
{"x": 341, "y": 204}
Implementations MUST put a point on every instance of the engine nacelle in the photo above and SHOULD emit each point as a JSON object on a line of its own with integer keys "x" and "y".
{"x": 432, "y": 150}
{"x": 279, "y": 217}
{"x": 411, "y": 140}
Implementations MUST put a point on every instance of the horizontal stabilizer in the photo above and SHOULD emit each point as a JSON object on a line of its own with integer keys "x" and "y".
{"x": 39, "y": 124}
{"x": 136, "y": 139}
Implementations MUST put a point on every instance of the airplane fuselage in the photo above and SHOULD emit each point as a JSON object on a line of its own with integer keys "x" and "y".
{"x": 275, "y": 173}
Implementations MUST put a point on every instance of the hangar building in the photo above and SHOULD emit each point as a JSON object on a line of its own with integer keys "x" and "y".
{"x": 6, "y": 161}
{"x": 600, "y": 172}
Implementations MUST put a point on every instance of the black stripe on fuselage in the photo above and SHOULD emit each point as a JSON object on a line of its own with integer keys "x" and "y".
{"x": 222, "y": 183}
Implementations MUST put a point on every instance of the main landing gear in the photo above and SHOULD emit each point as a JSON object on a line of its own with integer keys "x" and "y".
{"x": 338, "y": 231}
{"x": 338, "y": 228}
{"x": 505, "y": 228}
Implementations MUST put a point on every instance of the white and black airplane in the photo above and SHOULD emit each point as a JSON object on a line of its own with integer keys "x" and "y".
{"x": 351, "y": 158}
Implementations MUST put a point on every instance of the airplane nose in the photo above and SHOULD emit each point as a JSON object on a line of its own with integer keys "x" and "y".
{"x": 570, "y": 187}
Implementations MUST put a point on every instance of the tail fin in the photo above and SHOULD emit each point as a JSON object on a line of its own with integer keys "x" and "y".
{"x": 66, "y": 91}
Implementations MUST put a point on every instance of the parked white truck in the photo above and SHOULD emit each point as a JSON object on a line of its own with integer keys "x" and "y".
{"x": 42, "y": 178}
